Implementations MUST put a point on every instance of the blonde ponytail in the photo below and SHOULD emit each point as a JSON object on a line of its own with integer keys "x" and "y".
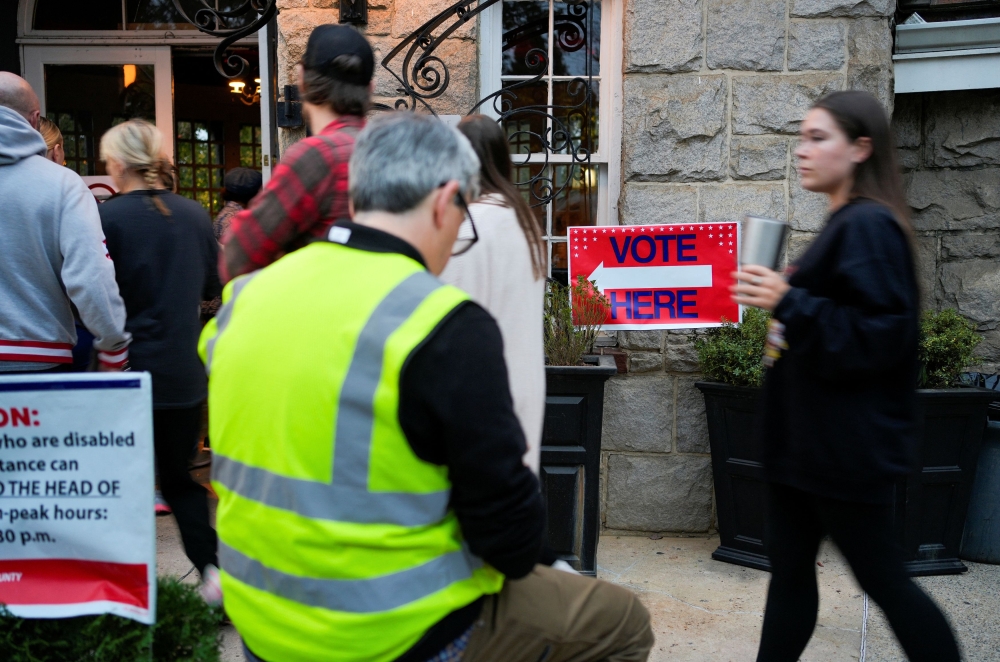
{"x": 136, "y": 145}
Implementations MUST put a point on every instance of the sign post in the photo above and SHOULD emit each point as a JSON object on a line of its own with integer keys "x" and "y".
{"x": 660, "y": 276}
{"x": 77, "y": 530}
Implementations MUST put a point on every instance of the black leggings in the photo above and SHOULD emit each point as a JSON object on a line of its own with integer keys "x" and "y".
{"x": 863, "y": 533}
{"x": 175, "y": 433}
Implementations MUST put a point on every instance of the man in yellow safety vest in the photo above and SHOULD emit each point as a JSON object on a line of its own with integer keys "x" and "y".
{"x": 373, "y": 504}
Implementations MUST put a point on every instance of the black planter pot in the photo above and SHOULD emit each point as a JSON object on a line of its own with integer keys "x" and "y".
{"x": 571, "y": 459}
{"x": 931, "y": 502}
{"x": 738, "y": 473}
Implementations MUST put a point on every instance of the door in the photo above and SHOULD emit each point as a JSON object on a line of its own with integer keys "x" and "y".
{"x": 88, "y": 89}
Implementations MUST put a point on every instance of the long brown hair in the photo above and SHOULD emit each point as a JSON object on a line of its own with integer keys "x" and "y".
{"x": 490, "y": 144}
{"x": 859, "y": 114}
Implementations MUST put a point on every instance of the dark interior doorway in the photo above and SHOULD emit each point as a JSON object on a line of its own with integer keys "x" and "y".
{"x": 216, "y": 123}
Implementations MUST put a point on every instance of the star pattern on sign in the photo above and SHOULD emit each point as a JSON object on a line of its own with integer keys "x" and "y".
{"x": 709, "y": 235}
{"x": 720, "y": 243}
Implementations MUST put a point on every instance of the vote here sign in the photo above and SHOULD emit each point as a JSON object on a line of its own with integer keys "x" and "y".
{"x": 77, "y": 530}
{"x": 659, "y": 276}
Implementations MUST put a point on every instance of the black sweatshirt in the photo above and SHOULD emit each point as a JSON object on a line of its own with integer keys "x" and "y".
{"x": 840, "y": 404}
{"x": 165, "y": 267}
{"x": 456, "y": 410}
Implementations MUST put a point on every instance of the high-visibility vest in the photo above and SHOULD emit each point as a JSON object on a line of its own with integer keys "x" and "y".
{"x": 335, "y": 540}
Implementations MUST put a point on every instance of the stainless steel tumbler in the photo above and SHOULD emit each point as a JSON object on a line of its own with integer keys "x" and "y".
{"x": 761, "y": 241}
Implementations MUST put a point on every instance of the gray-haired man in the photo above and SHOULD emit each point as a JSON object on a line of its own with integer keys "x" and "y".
{"x": 415, "y": 534}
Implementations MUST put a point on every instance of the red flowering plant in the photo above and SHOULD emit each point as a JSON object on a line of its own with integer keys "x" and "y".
{"x": 573, "y": 317}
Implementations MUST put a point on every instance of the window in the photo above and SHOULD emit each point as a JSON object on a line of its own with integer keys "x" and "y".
{"x": 552, "y": 80}
{"x": 78, "y": 141}
{"x": 132, "y": 14}
{"x": 250, "y": 155}
{"x": 200, "y": 162}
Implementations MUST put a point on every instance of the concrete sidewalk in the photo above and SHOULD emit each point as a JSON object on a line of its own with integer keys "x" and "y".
{"x": 707, "y": 610}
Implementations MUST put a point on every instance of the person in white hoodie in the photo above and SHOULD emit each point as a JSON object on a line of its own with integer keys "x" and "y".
{"x": 54, "y": 253}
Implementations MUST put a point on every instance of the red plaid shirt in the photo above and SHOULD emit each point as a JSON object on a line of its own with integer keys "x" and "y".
{"x": 306, "y": 194}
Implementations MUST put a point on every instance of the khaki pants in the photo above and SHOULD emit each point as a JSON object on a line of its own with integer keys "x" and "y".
{"x": 556, "y": 616}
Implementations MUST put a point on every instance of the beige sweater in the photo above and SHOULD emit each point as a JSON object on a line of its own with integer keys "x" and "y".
{"x": 497, "y": 273}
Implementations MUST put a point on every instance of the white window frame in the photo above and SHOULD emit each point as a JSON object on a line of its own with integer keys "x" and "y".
{"x": 610, "y": 99}
{"x": 36, "y": 57}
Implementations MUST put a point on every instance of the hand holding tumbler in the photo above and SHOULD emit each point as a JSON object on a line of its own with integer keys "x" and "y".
{"x": 761, "y": 241}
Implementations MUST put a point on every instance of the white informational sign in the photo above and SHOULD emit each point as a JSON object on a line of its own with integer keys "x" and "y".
{"x": 102, "y": 186}
{"x": 77, "y": 529}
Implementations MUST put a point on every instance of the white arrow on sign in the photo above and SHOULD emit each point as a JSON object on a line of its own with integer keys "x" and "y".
{"x": 659, "y": 278}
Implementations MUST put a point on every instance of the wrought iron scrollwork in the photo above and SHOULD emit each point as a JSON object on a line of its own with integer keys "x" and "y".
{"x": 423, "y": 76}
{"x": 223, "y": 23}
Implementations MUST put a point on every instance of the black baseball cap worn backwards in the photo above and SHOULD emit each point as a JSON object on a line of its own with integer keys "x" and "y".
{"x": 328, "y": 42}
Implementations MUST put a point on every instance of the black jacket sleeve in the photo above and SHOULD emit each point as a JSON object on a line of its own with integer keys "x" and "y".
{"x": 863, "y": 323}
{"x": 213, "y": 286}
{"x": 456, "y": 410}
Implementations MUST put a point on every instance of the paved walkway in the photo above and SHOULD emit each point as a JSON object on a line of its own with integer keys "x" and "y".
{"x": 706, "y": 610}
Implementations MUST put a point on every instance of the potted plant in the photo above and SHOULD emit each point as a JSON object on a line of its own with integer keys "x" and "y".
{"x": 730, "y": 356}
{"x": 931, "y": 501}
{"x": 574, "y": 411}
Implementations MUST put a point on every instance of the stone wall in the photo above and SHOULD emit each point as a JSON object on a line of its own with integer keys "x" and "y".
{"x": 714, "y": 93}
{"x": 949, "y": 146}
{"x": 389, "y": 22}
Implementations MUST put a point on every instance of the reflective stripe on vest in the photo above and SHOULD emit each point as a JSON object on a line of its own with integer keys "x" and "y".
{"x": 347, "y": 498}
{"x": 358, "y": 596}
{"x": 222, "y": 319}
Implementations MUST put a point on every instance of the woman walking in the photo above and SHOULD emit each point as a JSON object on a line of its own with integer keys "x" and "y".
{"x": 839, "y": 418}
{"x": 165, "y": 259}
{"x": 505, "y": 273}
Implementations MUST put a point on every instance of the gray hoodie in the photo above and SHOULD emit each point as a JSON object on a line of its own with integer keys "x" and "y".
{"x": 53, "y": 253}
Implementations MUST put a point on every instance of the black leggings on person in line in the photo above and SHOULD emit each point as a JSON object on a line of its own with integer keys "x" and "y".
{"x": 175, "y": 433}
{"x": 796, "y": 524}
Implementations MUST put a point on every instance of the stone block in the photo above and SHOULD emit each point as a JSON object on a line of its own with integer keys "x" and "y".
{"x": 648, "y": 340}
{"x": 797, "y": 244}
{"x": 379, "y": 24}
{"x": 807, "y": 211}
{"x": 954, "y": 199}
{"x": 679, "y": 353}
{"x": 851, "y": 8}
{"x": 659, "y": 493}
{"x": 748, "y": 35}
{"x": 988, "y": 351}
{"x": 461, "y": 56}
{"x": 649, "y": 203}
{"x": 777, "y": 104}
{"x": 758, "y": 157}
{"x": 816, "y": 45}
{"x": 675, "y": 128}
{"x": 971, "y": 287}
{"x": 294, "y": 28}
{"x": 907, "y": 129}
{"x": 728, "y": 203}
{"x": 869, "y": 63}
{"x": 926, "y": 259}
{"x": 409, "y": 15}
{"x": 969, "y": 246}
{"x": 645, "y": 362}
{"x": 638, "y": 413}
{"x": 293, "y": 4}
{"x": 692, "y": 422}
{"x": 963, "y": 128}
{"x": 663, "y": 36}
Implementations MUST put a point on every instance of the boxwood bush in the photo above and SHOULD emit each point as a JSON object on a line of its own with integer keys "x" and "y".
{"x": 732, "y": 353}
{"x": 947, "y": 342}
{"x": 186, "y": 630}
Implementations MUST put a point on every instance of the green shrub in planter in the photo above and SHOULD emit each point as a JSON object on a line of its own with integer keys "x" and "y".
{"x": 186, "y": 630}
{"x": 732, "y": 353}
{"x": 947, "y": 341}
{"x": 572, "y": 318}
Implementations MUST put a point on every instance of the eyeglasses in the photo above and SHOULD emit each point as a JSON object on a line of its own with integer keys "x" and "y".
{"x": 467, "y": 235}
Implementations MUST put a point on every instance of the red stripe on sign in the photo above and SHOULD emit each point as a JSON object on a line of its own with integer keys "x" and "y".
{"x": 67, "y": 581}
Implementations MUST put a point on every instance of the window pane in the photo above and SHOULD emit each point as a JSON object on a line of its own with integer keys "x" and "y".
{"x": 256, "y": 135}
{"x": 66, "y": 123}
{"x": 162, "y": 15}
{"x": 184, "y": 150}
{"x": 246, "y": 134}
{"x": 216, "y": 153}
{"x": 575, "y": 115}
{"x": 576, "y": 49}
{"x": 76, "y": 15}
{"x": 526, "y": 130}
{"x": 201, "y": 132}
{"x": 184, "y": 130}
{"x": 69, "y": 146}
{"x": 186, "y": 176}
{"x": 201, "y": 178}
{"x": 217, "y": 177}
{"x": 525, "y": 37}
{"x": 201, "y": 153}
{"x": 575, "y": 202}
{"x": 559, "y": 255}
{"x": 205, "y": 198}
{"x": 246, "y": 156}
